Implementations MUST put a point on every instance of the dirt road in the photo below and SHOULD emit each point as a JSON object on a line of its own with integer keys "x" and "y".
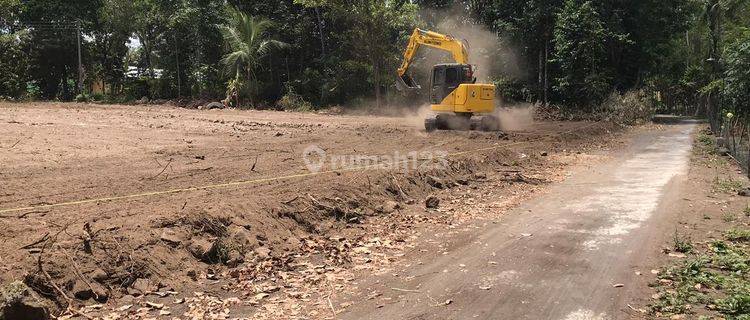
{"x": 574, "y": 253}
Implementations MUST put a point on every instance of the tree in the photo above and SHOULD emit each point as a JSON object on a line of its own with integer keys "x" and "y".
{"x": 110, "y": 34}
{"x": 53, "y": 42}
{"x": 580, "y": 52}
{"x": 13, "y": 64}
{"x": 247, "y": 38}
{"x": 737, "y": 74}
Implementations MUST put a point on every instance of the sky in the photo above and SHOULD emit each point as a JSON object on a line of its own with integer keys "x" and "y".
{"x": 134, "y": 42}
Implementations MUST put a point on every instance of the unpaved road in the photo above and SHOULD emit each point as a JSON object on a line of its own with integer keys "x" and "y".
{"x": 573, "y": 253}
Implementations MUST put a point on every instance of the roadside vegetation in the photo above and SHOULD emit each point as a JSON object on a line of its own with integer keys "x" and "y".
{"x": 712, "y": 282}
{"x": 709, "y": 276}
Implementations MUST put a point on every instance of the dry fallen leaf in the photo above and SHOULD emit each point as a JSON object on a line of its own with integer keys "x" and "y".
{"x": 125, "y": 307}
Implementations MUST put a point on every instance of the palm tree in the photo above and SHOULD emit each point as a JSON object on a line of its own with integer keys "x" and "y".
{"x": 248, "y": 43}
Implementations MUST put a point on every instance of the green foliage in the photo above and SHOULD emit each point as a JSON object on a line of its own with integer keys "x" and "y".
{"x": 738, "y": 235}
{"x": 292, "y": 101}
{"x": 727, "y": 185}
{"x": 716, "y": 280}
{"x": 737, "y": 73}
{"x": 248, "y": 43}
{"x": 13, "y": 65}
{"x": 580, "y": 37}
{"x": 82, "y": 97}
{"x": 682, "y": 244}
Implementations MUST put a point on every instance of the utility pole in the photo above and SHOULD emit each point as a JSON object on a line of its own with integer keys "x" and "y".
{"x": 80, "y": 65}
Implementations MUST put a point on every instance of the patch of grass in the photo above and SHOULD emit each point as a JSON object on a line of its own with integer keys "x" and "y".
{"x": 727, "y": 185}
{"x": 738, "y": 235}
{"x": 706, "y": 140}
{"x": 682, "y": 244}
{"x": 729, "y": 217}
{"x": 715, "y": 281}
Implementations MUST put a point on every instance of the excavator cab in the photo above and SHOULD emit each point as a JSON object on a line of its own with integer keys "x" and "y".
{"x": 447, "y": 77}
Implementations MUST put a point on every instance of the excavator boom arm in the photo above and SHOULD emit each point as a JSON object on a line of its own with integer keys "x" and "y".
{"x": 434, "y": 40}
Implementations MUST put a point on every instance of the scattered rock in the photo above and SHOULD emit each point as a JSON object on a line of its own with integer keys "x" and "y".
{"x": 141, "y": 286}
{"x": 202, "y": 250}
{"x": 100, "y": 293}
{"x": 480, "y": 176}
{"x": 81, "y": 290}
{"x": 263, "y": 253}
{"x": 18, "y": 301}
{"x": 544, "y": 153}
{"x": 388, "y": 207}
{"x": 170, "y": 237}
{"x": 99, "y": 275}
{"x": 214, "y": 105}
{"x": 192, "y": 274}
{"x": 241, "y": 237}
{"x": 436, "y": 182}
{"x": 432, "y": 202}
{"x": 723, "y": 151}
{"x": 618, "y": 285}
{"x": 744, "y": 192}
{"x": 234, "y": 259}
{"x": 279, "y": 134}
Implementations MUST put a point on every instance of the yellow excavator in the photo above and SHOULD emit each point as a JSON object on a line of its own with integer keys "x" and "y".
{"x": 455, "y": 96}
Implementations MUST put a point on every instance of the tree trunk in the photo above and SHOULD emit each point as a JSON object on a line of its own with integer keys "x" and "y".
{"x": 546, "y": 72}
{"x": 540, "y": 77}
{"x": 320, "y": 30}
{"x": 376, "y": 77}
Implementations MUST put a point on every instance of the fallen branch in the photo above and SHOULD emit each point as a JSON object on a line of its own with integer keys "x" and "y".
{"x": 42, "y": 239}
{"x": 40, "y": 265}
{"x": 252, "y": 169}
{"x": 80, "y": 275}
{"x": 15, "y": 144}
{"x": 24, "y": 215}
{"x": 291, "y": 200}
{"x": 163, "y": 169}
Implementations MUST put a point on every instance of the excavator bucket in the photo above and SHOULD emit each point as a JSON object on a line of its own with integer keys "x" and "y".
{"x": 406, "y": 83}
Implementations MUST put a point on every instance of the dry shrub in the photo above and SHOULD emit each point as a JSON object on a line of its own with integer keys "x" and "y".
{"x": 633, "y": 107}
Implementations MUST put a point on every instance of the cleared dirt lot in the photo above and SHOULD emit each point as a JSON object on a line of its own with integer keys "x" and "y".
{"x": 234, "y": 238}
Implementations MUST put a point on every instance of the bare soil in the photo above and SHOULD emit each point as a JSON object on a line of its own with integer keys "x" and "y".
{"x": 261, "y": 248}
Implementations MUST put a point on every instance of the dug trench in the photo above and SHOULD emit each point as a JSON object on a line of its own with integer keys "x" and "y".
{"x": 275, "y": 248}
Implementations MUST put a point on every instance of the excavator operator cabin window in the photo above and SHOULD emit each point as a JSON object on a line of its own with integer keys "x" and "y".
{"x": 451, "y": 76}
{"x": 438, "y": 76}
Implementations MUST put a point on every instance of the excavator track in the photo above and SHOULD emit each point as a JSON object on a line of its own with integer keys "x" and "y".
{"x": 462, "y": 122}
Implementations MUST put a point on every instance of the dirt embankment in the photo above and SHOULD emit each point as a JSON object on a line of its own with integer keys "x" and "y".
{"x": 173, "y": 220}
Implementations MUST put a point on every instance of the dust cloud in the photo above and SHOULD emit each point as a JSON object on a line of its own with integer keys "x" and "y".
{"x": 516, "y": 118}
{"x": 488, "y": 52}
{"x": 415, "y": 118}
